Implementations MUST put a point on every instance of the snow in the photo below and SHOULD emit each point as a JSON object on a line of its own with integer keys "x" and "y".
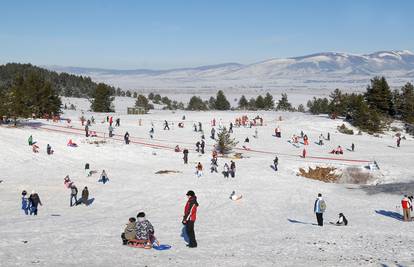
{"x": 270, "y": 226}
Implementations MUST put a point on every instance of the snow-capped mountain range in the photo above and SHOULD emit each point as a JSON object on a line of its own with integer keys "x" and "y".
{"x": 321, "y": 70}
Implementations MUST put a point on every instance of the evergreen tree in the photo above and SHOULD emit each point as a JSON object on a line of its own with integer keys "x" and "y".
{"x": 212, "y": 103}
{"x": 301, "y": 108}
{"x": 283, "y": 103}
{"x": 118, "y": 91}
{"x": 128, "y": 93}
{"x": 252, "y": 104}
{"x": 225, "y": 143}
{"x": 196, "y": 103}
{"x": 337, "y": 104}
{"x": 379, "y": 96}
{"x": 319, "y": 106}
{"x": 260, "y": 104}
{"x": 102, "y": 99}
{"x": 268, "y": 102}
{"x": 143, "y": 102}
{"x": 221, "y": 102}
{"x": 157, "y": 99}
{"x": 243, "y": 104}
{"x": 165, "y": 100}
{"x": 407, "y": 103}
{"x": 135, "y": 95}
{"x": 151, "y": 96}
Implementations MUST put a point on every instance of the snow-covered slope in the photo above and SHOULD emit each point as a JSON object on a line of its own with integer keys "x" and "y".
{"x": 312, "y": 71}
{"x": 272, "y": 225}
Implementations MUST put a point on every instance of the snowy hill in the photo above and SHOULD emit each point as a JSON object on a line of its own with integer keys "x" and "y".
{"x": 272, "y": 225}
{"x": 321, "y": 70}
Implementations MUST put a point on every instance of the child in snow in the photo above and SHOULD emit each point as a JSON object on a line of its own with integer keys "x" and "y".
{"x": 49, "y": 150}
{"x": 234, "y": 196}
{"x": 145, "y": 230}
{"x": 25, "y": 202}
{"x": 185, "y": 155}
{"x": 232, "y": 169}
{"x": 30, "y": 140}
{"x": 67, "y": 182}
{"x": 35, "y": 148}
{"x": 214, "y": 165}
{"x": 87, "y": 170}
{"x": 126, "y": 138}
{"x": 73, "y": 195}
{"x": 130, "y": 231}
{"x": 275, "y": 162}
{"x": 34, "y": 202}
{"x": 177, "y": 148}
{"x": 85, "y": 196}
{"x": 199, "y": 170}
{"x": 104, "y": 177}
{"x": 71, "y": 143}
{"x": 342, "y": 220}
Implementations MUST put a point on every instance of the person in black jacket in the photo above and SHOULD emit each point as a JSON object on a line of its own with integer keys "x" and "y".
{"x": 126, "y": 138}
{"x": 34, "y": 201}
{"x": 185, "y": 157}
{"x": 73, "y": 195}
{"x": 275, "y": 163}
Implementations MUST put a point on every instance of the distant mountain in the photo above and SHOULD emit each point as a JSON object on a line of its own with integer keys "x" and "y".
{"x": 328, "y": 69}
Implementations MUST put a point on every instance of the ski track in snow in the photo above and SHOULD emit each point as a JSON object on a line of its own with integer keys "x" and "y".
{"x": 272, "y": 225}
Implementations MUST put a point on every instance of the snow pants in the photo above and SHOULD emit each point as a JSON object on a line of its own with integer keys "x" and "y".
{"x": 191, "y": 235}
{"x": 319, "y": 218}
{"x": 407, "y": 216}
{"x": 71, "y": 198}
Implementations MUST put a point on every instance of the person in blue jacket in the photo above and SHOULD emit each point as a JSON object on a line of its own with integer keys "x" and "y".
{"x": 319, "y": 208}
{"x": 25, "y": 202}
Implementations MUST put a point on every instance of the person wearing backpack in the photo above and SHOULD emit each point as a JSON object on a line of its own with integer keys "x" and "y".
{"x": 319, "y": 208}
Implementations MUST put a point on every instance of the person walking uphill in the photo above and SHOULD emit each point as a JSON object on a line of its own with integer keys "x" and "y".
{"x": 406, "y": 206}
{"x": 185, "y": 155}
{"x": 85, "y": 196}
{"x": 319, "y": 208}
{"x": 189, "y": 218}
{"x": 34, "y": 201}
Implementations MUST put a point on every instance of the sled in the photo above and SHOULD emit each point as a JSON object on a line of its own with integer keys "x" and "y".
{"x": 236, "y": 198}
{"x": 246, "y": 148}
{"x": 135, "y": 243}
{"x": 161, "y": 247}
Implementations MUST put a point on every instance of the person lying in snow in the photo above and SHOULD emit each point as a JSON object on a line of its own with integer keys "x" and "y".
{"x": 338, "y": 150}
{"x": 35, "y": 148}
{"x": 71, "y": 143}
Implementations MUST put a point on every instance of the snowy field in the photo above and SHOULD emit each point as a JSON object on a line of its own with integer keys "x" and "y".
{"x": 272, "y": 225}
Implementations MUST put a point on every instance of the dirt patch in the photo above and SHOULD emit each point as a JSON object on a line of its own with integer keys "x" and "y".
{"x": 324, "y": 174}
{"x": 355, "y": 175}
{"x": 167, "y": 172}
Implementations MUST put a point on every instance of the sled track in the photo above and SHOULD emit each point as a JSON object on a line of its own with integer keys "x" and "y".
{"x": 101, "y": 135}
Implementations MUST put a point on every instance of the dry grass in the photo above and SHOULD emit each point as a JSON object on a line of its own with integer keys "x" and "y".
{"x": 325, "y": 174}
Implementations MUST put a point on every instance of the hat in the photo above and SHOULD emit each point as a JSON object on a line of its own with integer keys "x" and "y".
{"x": 140, "y": 214}
{"x": 190, "y": 193}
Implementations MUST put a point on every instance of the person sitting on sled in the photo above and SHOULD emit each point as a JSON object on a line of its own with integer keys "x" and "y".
{"x": 342, "y": 220}
{"x": 130, "y": 231}
{"x": 145, "y": 230}
{"x": 177, "y": 149}
{"x": 71, "y": 143}
{"x": 35, "y": 148}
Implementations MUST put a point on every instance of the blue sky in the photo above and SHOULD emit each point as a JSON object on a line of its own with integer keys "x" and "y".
{"x": 167, "y": 34}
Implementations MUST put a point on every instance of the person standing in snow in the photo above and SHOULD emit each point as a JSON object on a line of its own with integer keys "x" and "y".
{"x": 353, "y": 147}
{"x": 329, "y": 137}
{"x": 118, "y": 122}
{"x": 231, "y": 127}
{"x": 398, "y": 141}
{"x": 166, "y": 126}
{"x": 110, "y": 130}
{"x": 49, "y": 150}
{"x": 126, "y": 138}
{"x": 320, "y": 139}
{"x": 73, "y": 195}
{"x": 214, "y": 165}
{"x": 30, "y": 140}
{"x": 232, "y": 169}
{"x": 319, "y": 208}
{"x": 104, "y": 177}
{"x": 87, "y": 130}
{"x": 85, "y": 196}
{"x": 199, "y": 170}
{"x": 34, "y": 201}
{"x": 151, "y": 132}
{"x": 226, "y": 170}
{"x": 190, "y": 216}
{"x": 405, "y": 204}
{"x": 202, "y": 145}
{"x": 200, "y": 128}
{"x": 213, "y": 133}
{"x": 87, "y": 170}
{"x": 185, "y": 155}
{"x": 25, "y": 202}
{"x": 275, "y": 162}
{"x": 198, "y": 146}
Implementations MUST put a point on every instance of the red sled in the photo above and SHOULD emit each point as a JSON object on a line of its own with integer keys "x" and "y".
{"x": 139, "y": 244}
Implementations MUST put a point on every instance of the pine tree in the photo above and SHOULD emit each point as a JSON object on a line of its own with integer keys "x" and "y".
{"x": 252, "y": 104}
{"x": 196, "y": 103}
{"x": 243, "y": 104}
{"x": 407, "y": 103}
{"x": 301, "y": 108}
{"x": 269, "y": 104}
{"x": 283, "y": 103}
{"x": 142, "y": 102}
{"x": 379, "y": 96}
{"x": 135, "y": 95}
{"x": 151, "y": 96}
{"x": 225, "y": 143}
{"x": 128, "y": 93}
{"x": 221, "y": 102}
{"x": 212, "y": 103}
{"x": 102, "y": 99}
{"x": 260, "y": 104}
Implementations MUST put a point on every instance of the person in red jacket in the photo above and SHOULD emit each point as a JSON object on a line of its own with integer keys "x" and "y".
{"x": 406, "y": 205}
{"x": 189, "y": 218}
